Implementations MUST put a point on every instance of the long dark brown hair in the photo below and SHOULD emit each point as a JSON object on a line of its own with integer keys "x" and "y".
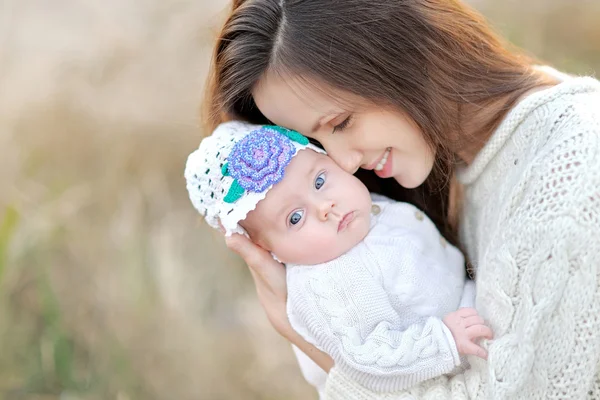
{"x": 436, "y": 60}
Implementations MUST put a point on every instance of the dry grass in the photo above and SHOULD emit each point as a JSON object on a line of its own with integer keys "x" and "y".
{"x": 110, "y": 287}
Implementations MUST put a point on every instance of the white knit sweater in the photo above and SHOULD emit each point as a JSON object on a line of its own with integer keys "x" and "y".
{"x": 377, "y": 310}
{"x": 531, "y": 227}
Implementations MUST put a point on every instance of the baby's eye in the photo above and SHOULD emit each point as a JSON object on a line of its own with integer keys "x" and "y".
{"x": 320, "y": 181}
{"x": 296, "y": 217}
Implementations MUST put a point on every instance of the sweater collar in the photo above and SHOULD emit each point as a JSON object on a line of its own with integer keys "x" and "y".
{"x": 469, "y": 174}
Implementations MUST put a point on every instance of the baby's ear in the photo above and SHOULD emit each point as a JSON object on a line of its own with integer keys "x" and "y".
{"x": 259, "y": 242}
{"x": 253, "y": 235}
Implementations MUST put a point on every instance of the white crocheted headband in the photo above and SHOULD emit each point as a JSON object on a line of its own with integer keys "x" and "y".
{"x": 235, "y": 167}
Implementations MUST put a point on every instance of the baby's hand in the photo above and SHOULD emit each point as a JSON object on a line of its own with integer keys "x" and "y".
{"x": 467, "y": 328}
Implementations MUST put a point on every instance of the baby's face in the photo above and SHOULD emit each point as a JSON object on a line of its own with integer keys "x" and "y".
{"x": 315, "y": 214}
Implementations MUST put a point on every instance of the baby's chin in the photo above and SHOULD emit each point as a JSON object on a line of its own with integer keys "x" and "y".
{"x": 313, "y": 259}
{"x": 312, "y": 256}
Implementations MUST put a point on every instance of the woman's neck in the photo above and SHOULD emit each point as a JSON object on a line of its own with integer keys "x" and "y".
{"x": 478, "y": 128}
{"x": 482, "y": 120}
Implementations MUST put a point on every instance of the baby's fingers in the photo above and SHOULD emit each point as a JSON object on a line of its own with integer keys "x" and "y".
{"x": 479, "y": 331}
{"x": 473, "y": 320}
{"x": 466, "y": 312}
{"x": 470, "y": 348}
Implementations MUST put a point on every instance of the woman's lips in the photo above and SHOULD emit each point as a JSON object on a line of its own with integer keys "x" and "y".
{"x": 375, "y": 164}
{"x": 386, "y": 170}
{"x": 383, "y": 161}
{"x": 346, "y": 221}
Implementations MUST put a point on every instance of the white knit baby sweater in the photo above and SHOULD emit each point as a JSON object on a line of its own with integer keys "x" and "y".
{"x": 531, "y": 227}
{"x": 377, "y": 310}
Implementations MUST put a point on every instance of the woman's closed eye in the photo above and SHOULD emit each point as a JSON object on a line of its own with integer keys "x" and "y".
{"x": 342, "y": 125}
{"x": 320, "y": 180}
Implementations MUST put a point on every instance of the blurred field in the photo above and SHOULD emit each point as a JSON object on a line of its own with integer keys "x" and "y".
{"x": 110, "y": 286}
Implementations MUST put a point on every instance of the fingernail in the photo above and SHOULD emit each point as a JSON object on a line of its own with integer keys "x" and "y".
{"x": 232, "y": 243}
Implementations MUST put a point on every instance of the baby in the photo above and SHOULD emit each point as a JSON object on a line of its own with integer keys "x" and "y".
{"x": 370, "y": 281}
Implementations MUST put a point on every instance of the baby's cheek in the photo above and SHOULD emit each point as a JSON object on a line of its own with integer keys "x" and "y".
{"x": 327, "y": 246}
{"x": 309, "y": 249}
{"x": 295, "y": 251}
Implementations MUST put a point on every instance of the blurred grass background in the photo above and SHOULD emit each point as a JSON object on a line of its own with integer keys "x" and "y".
{"x": 110, "y": 285}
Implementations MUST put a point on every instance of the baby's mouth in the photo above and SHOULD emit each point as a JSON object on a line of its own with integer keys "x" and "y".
{"x": 345, "y": 221}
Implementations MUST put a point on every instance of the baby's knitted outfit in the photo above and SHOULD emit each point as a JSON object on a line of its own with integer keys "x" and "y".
{"x": 531, "y": 227}
{"x": 377, "y": 310}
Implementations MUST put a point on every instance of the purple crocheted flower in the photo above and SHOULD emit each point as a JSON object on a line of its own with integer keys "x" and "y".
{"x": 259, "y": 160}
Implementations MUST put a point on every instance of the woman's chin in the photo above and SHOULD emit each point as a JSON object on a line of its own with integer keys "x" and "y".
{"x": 408, "y": 182}
{"x": 412, "y": 179}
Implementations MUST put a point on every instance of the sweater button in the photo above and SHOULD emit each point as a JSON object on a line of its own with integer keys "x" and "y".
{"x": 443, "y": 242}
{"x": 419, "y": 215}
{"x": 375, "y": 209}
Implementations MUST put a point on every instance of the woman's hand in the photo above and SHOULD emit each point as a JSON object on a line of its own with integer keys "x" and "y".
{"x": 269, "y": 278}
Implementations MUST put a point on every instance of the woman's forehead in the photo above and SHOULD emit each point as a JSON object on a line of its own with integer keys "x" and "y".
{"x": 292, "y": 102}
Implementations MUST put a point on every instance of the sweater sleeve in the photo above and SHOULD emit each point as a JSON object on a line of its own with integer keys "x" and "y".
{"x": 343, "y": 308}
{"x": 537, "y": 286}
{"x": 468, "y": 295}
{"x": 541, "y": 287}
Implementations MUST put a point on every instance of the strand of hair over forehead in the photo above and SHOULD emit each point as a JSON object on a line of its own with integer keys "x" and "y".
{"x": 279, "y": 34}
{"x": 276, "y": 64}
{"x": 279, "y": 66}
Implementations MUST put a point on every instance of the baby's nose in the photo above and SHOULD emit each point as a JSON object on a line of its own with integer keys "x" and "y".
{"x": 325, "y": 209}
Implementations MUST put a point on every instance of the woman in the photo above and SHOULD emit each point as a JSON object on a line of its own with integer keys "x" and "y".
{"x": 425, "y": 92}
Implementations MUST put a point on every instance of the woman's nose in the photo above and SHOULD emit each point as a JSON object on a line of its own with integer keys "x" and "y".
{"x": 325, "y": 209}
{"x": 348, "y": 160}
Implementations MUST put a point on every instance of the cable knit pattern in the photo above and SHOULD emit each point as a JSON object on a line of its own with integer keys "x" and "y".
{"x": 530, "y": 226}
{"x": 377, "y": 309}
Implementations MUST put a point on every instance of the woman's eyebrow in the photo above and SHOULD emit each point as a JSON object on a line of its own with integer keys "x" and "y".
{"x": 327, "y": 116}
{"x": 316, "y": 126}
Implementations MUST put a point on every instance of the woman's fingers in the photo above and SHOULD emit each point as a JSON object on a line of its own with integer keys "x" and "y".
{"x": 245, "y": 248}
{"x": 269, "y": 279}
{"x": 479, "y": 331}
{"x": 236, "y": 243}
{"x": 267, "y": 273}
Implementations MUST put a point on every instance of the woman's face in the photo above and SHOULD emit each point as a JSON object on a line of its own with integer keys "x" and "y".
{"x": 368, "y": 137}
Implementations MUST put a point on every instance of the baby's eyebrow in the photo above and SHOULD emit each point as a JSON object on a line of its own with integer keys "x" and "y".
{"x": 311, "y": 172}
{"x": 280, "y": 211}
{"x": 288, "y": 200}
{"x": 285, "y": 204}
